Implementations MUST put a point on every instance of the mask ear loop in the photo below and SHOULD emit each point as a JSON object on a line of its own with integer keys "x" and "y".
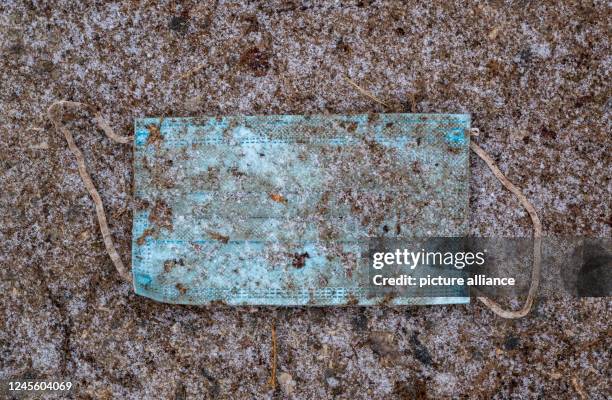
{"x": 102, "y": 124}
{"x": 537, "y": 225}
{"x": 537, "y": 238}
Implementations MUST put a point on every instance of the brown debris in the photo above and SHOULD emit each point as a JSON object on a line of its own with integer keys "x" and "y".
{"x": 182, "y": 289}
{"x": 147, "y": 232}
{"x": 352, "y": 300}
{"x": 256, "y": 60}
{"x": 299, "y": 260}
{"x": 155, "y": 136}
{"x": 278, "y": 198}
{"x": 170, "y": 264}
{"x": 387, "y": 299}
{"x": 382, "y": 343}
{"x": 416, "y": 390}
{"x": 548, "y": 133}
{"x": 217, "y": 236}
{"x": 161, "y": 215}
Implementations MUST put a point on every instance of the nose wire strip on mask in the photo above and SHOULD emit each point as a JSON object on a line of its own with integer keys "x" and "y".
{"x": 116, "y": 259}
{"x": 106, "y": 235}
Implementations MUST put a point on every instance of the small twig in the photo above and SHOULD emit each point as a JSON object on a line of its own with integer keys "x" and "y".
{"x": 272, "y": 380}
{"x": 579, "y": 389}
{"x": 366, "y": 93}
{"x": 412, "y": 102}
{"x": 192, "y": 71}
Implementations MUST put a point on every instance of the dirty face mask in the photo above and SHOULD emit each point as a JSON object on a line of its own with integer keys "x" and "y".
{"x": 282, "y": 210}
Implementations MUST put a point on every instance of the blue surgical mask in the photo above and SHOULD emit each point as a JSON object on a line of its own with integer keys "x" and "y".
{"x": 282, "y": 210}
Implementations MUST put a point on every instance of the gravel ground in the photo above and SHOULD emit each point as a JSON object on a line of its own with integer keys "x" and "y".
{"x": 534, "y": 76}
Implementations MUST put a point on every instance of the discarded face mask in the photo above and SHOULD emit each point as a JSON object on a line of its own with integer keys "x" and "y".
{"x": 281, "y": 210}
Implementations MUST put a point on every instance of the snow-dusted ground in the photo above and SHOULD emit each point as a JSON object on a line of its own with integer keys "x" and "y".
{"x": 535, "y": 78}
